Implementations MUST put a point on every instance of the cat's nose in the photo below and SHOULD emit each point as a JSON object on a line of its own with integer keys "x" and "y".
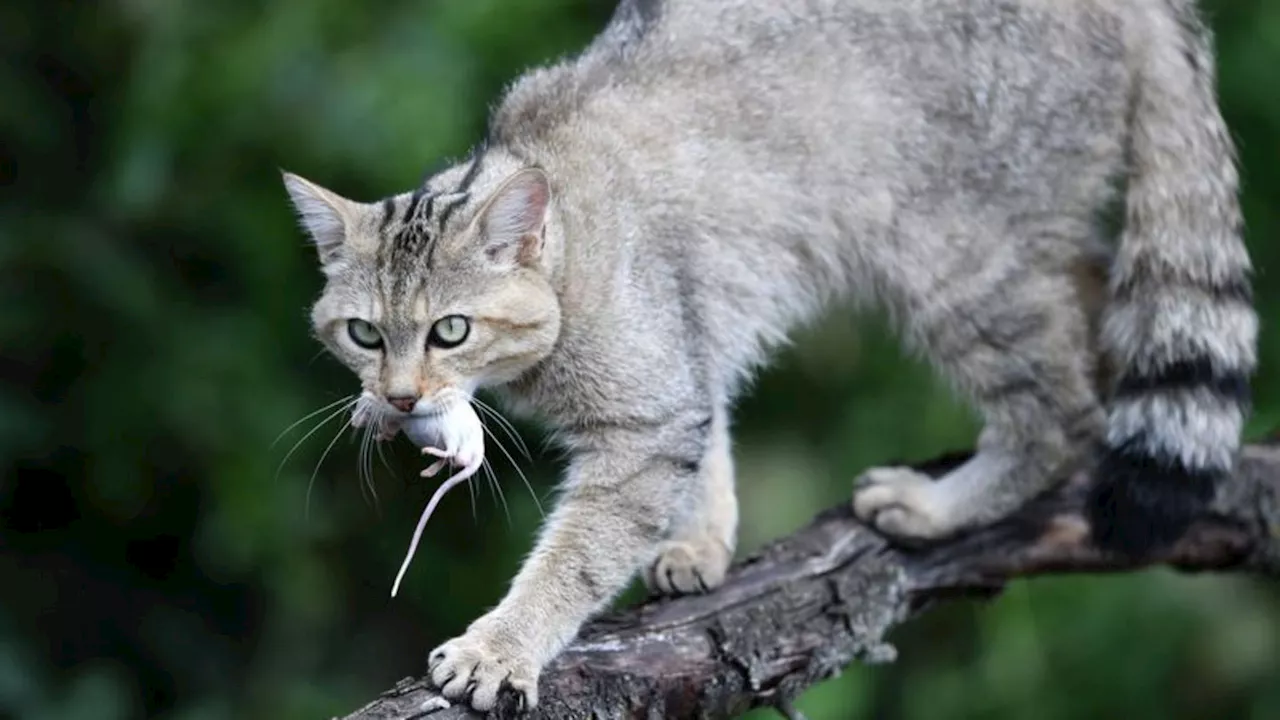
{"x": 403, "y": 403}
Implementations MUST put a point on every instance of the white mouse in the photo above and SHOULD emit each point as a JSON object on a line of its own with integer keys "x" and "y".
{"x": 455, "y": 435}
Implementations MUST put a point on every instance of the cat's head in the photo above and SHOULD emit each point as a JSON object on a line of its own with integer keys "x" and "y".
{"x": 434, "y": 292}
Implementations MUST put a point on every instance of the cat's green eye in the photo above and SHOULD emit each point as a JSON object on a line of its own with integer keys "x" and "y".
{"x": 449, "y": 331}
{"x": 364, "y": 334}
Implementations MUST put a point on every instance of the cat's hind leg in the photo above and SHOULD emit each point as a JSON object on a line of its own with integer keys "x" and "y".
{"x": 1019, "y": 347}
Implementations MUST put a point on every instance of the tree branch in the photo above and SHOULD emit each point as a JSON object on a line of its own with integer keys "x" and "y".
{"x": 806, "y": 606}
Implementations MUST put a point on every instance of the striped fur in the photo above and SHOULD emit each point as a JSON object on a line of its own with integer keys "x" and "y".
{"x": 1181, "y": 324}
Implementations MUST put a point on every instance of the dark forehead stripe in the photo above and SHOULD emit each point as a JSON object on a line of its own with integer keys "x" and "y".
{"x": 449, "y": 205}
{"x": 415, "y": 238}
{"x": 388, "y": 210}
{"x": 415, "y": 233}
{"x": 384, "y": 247}
{"x": 413, "y": 203}
{"x": 473, "y": 170}
{"x": 402, "y": 252}
{"x": 460, "y": 195}
{"x": 454, "y": 204}
{"x": 425, "y": 234}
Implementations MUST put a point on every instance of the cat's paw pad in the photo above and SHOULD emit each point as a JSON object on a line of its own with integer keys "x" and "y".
{"x": 475, "y": 667}
{"x": 900, "y": 503}
{"x": 683, "y": 567}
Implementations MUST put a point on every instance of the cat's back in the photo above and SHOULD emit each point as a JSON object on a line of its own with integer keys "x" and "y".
{"x": 695, "y": 36}
{"x": 739, "y": 140}
{"x": 730, "y": 66}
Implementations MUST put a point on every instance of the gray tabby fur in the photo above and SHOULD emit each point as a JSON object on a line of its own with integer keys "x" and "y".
{"x": 646, "y": 220}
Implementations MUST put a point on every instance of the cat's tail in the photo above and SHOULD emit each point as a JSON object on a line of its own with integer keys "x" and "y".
{"x": 1180, "y": 327}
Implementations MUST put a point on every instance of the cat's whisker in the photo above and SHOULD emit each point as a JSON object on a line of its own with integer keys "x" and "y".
{"x": 492, "y": 495}
{"x": 313, "y": 431}
{"x": 516, "y": 467}
{"x": 505, "y": 424}
{"x": 551, "y": 442}
{"x": 307, "y": 417}
{"x": 379, "y": 440}
{"x": 315, "y": 357}
{"x": 377, "y": 446}
{"x": 366, "y": 463}
{"x": 364, "y": 492}
{"x": 493, "y": 483}
{"x": 306, "y": 512}
{"x": 372, "y": 422}
{"x": 471, "y": 490}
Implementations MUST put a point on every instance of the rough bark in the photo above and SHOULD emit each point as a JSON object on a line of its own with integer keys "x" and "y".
{"x": 806, "y": 606}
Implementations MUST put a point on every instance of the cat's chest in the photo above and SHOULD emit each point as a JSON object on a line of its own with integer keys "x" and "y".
{"x": 566, "y": 386}
{"x": 597, "y": 376}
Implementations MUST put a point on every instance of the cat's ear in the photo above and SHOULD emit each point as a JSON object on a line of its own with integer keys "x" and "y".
{"x": 323, "y": 214}
{"x": 512, "y": 220}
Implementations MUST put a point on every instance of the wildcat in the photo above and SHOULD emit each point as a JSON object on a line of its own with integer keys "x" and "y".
{"x": 646, "y": 220}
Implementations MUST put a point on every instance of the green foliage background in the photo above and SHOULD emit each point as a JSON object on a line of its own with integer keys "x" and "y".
{"x": 154, "y": 562}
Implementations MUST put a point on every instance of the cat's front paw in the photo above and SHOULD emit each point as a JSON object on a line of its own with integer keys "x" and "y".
{"x": 901, "y": 503}
{"x": 475, "y": 667}
{"x": 688, "y": 566}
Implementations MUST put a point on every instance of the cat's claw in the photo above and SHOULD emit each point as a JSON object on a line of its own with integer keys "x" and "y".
{"x": 433, "y": 704}
{"x": 688, "y": 566}
{"x": 475, "y": 667}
